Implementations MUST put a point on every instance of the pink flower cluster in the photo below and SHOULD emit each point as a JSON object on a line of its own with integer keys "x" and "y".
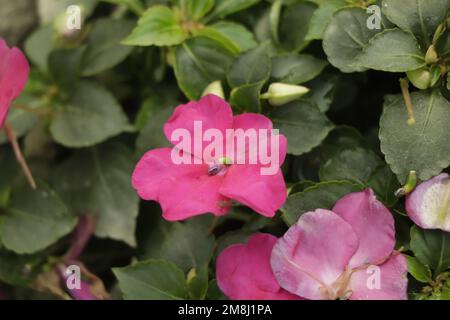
{"x": 346, "y": 253}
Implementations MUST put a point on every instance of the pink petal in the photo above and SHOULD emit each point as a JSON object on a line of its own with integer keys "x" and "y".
{"x": 393, "y": 281}
{"x": 429, "y": 204}
{"x": 14, "y": 71}
{"x": 256, "y": 122}
{"x": 313, "y": 253}
{"x": 373, "y": 224}
{"x": 243, "y": 271}
{"x": 265, "y": 194}
{"x": 183, "y": 191}
{"x": 211, "y": 112}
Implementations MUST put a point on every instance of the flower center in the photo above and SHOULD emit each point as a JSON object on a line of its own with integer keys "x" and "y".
{"x": 340, "y": 288}
{"x": 219, "y": 167}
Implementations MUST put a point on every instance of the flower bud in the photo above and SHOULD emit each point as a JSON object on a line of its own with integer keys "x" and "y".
{"x": 431, "y": 56}
{"x": 429, "y": 204}
{"x": 64, "y": 27}
{"x": 214, "y": 88}
{"x": 420, "y": 78}
{"x": 282, "y": 93}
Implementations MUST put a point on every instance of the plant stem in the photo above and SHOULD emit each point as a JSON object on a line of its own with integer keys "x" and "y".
{"x": 18, "y": 153}
{"x": 404, "y": 85}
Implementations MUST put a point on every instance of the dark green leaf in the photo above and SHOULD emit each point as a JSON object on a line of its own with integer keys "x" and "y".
{"x": 35, "y": 220}
{"x": 199, "y": 62}
{"x": 303, "y": 124}
{"x": 97, "y": 181}
{"x": 104, "y": 50}
{"x": 345, "y": 38}
{"x": 421, "y": 17}
{"x": 422, "y": 147}
{"x": 152, "y": 280}
{"x": 404, "y": 52}
{"x": 91, "y": 116}
{"x": 296, "y": 69}
{"x": 323, "y": 195}
{"x": 432, "y": 248}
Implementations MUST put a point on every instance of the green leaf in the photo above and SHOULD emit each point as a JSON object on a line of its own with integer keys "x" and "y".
{"x": 422, "y": 147}
{"x": 294, "y": 25}
{"x": 39, "y": 45}
{"x": 158, "y": 26}
{"x": 322, "y": 16}
{"x": 345, "y": 38}
{"x": 104, "y": 50}
{"x": 152, "y": 280}
{"x": 199, "y": 62}
{"x": 134, "y": 5}
{"x": 355, "y": 164}
{"x": 250, "y": 67}
{"x": 97, "y": 181}
{"x": 20, "y": 120}
{"x": 303, "y": 124}
{"x": 322, "y": 91}
{"x": 35, "y": 220}
{"x": 296, "y": 69}
{"x": 196, "y": 9}
{"x": 152, "y": 135}
{"x": 92, "y": 116}
{"x": 323, "y": 195}
{"x": 432, "y": 248}
{"x": 404, "y": 52}
{"x": 224, "y": 8}
{"x": 247, "y": 76}
{"x": 65, "y": 65}
{"x": 236, "y": 33}
{"x": 188, "y": 244}
{"x": 384, "y": 182}
{"x": 19, "y": 270}
{"x": 247, "y": 97}
{"x": 419, "y": 271}
{"x": 10, "y": 167}
{"x": 218, "y": 37}
{"x": 421, "y": 17}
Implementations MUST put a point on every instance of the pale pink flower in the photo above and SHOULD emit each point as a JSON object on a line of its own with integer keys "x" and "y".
{"x": 346, "y": 253}
{"x": 429, "y": 204}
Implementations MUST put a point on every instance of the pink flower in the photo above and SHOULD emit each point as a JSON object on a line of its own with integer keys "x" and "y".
{"x": 347, "y": 253}
{"x": 207, "y": 183}
{"x": 244, "y": 272}
{"x": 429, "y": 204}
{"x": 14, "y": 71}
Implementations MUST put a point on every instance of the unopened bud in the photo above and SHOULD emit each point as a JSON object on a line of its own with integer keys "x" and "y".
{"x": 409, "y": 185}
{"x": 420, "y": 78}
{"x": 282, "y": 93}
{"x": 431, "y": 57}
{"x": 214, "y": 88}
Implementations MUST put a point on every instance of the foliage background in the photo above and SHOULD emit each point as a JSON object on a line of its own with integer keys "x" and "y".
{"x": 93, "y": 106}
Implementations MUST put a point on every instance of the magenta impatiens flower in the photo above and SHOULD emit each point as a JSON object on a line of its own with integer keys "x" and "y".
{"x": 244, "y": 273}
{"x": 204, "y": 174}
{"x": 429, "y": 204}
{"x": 14, "y": 71}
{"x": 346, "y": 253}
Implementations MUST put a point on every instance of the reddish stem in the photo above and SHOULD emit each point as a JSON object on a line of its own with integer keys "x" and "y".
{"x": 18, "y": 153}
